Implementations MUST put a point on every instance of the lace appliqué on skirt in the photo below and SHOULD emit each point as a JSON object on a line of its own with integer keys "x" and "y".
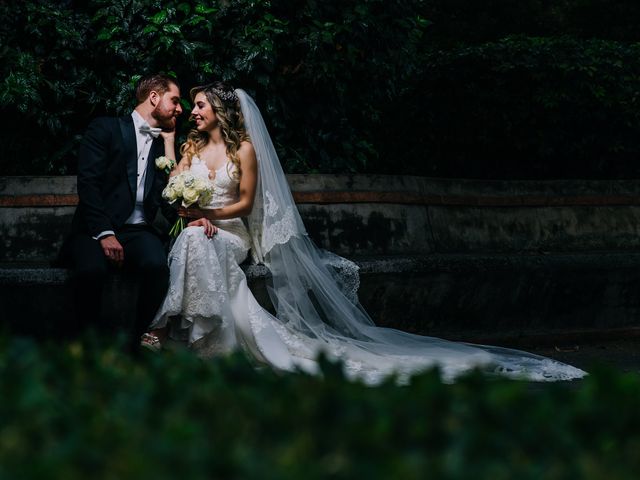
{"x": 203, "y": 275}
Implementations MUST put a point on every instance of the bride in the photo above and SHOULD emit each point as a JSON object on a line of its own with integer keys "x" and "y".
{"x": 313, "y": 291}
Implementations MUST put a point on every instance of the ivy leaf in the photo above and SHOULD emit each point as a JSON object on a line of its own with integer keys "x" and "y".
{"x": 104, "y": 34}
{"x": 184, "y": 8}
{"x": 171, "y": 28}
{"x": 159, "y": 17}
{"x": 204, "y": 10}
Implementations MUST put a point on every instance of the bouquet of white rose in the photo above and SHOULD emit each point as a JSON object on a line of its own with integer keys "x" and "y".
{"x": 189, "y": 189}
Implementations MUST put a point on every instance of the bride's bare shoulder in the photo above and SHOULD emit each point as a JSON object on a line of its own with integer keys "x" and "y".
{"x": 246, "y": 153}
{"x": 246, "y": 146}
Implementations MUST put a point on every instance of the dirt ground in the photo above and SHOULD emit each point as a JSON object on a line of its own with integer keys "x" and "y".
{"x": 622, "y": 354}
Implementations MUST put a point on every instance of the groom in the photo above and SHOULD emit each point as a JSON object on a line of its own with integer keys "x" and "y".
{"x": 119, "y": 191}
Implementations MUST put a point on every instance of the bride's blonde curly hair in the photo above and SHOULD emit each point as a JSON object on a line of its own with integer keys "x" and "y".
{"x": 226, "y": 105}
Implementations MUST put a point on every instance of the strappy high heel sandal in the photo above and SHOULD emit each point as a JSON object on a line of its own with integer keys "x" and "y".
{"x": 151, "y": 342}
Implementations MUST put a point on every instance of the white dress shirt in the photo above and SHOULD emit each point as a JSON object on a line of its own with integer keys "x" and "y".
{"x": 143, "y": 145}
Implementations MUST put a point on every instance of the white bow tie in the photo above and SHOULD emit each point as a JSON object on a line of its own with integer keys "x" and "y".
{"x": 153, "y": 131}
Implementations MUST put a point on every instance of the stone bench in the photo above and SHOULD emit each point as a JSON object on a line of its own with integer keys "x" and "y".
{"x": 471, "y": 297}
{"x": 455, "y": 258}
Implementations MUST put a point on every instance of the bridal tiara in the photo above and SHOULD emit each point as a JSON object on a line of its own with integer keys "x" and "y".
{"x": 225, "y": 96}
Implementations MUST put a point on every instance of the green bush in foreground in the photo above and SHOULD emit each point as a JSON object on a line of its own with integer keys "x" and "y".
{"x": 70, "y": 412}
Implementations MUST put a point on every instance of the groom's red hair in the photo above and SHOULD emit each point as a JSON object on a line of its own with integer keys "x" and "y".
{"x": 158, "y": 82}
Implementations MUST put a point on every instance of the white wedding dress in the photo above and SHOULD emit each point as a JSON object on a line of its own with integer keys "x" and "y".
{"x": 313, "y": 291}
{"x": 218, "y": 313}
{"x": 208, "y": 289}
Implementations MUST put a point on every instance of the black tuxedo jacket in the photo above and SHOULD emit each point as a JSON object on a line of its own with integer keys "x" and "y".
{"x": 107, "y": 176}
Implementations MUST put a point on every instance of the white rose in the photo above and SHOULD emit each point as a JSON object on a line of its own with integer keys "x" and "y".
{"x": 205, "y": 198}
{"x": 189, "y": 196}
{"x": 189, "y": 180}
{"x": 200, "y": 184}
{"x": 178, "y": 183}
{"x": 163, "y": 162}
{"x": 170, "y": 194}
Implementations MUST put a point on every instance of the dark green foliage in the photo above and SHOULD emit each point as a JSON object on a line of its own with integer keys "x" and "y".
{"x": 528, "y": 107}
{"x": 498, "y": 88}
{"x": 72, "y": 412}
{"x": 49, "y": 85}
{"x": 464, "y": 21}
{"x": 468, "y": 21}
{"x": 320, "y": 71}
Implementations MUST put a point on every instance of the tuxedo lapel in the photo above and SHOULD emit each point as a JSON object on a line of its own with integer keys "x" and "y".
{"x": 130, "y": 152}
{"x": 150, "y": 173}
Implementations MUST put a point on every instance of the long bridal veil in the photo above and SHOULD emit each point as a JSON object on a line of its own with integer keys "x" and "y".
{"x": 315, "y": 293}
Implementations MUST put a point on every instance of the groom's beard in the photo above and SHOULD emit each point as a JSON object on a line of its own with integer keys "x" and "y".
{"x": 166, "y": 120}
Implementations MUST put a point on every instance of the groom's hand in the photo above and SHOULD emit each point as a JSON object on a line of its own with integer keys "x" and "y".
{"x": 112, "y": 250}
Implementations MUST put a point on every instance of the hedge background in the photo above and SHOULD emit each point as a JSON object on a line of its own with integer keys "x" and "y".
{"x": 78, "y": 410}
{"x": 453, "y": 88}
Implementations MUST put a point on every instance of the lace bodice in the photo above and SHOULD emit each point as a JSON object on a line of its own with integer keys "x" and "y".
{"x": 225, "y": 181}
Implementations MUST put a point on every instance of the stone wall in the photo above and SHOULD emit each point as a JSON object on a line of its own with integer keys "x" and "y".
{"x": 385, "y": 215}
{"x": 463, "y": 259}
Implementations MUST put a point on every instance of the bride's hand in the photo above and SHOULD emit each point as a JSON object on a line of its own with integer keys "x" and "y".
{"x": 209, "y": 228}
{"x": 191, "y": 212}
{"x": 168, "y": 135}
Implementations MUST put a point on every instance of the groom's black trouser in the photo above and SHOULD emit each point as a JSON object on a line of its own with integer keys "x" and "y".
{"x": 144, "y": 258}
